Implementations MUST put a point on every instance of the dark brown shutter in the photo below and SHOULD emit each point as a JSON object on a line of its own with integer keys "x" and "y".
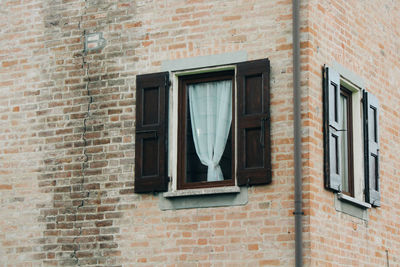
{"x": 371, "y": 148}
{"x": 151, "y": 132}
{"x": 332, "y": 135}
{"x": 253, "y": 129}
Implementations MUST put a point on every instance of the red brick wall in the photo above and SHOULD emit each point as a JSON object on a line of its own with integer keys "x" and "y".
{"x": 67, "y": 133}
{"x": 363, "y": 37}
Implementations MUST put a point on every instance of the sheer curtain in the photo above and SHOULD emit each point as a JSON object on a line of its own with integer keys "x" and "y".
{"x": 211, "y": 115}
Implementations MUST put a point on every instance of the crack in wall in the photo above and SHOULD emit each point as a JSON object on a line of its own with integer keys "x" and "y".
{"x": 86, "y": 68}
{"x": 86, "y": 93}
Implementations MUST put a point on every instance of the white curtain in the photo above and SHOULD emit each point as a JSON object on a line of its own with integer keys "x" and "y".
{"x": 211, "y": 115}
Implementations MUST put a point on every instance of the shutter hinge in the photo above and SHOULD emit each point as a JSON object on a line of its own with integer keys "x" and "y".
{"x": 248, "y": 182}
{"x": 337, "y": 130}
{"x": 167, "y": 82}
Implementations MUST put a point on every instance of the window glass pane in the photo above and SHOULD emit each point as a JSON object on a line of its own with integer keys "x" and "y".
{"x": 209, "y": 137}
{"x": 344, "y": 144}
{"x": 195, "y": 171}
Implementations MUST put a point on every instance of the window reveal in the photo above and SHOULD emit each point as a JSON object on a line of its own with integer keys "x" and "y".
{"x": 346, "y": 126}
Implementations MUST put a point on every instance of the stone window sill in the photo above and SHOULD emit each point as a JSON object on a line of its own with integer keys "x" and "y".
{"x": 202, "y": 191}
{"x": 204, "y": 198}
{"x": 351, "y": 206}
{"x": 352, "y": 200}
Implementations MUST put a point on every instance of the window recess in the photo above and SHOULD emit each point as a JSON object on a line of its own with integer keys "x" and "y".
{"x": 222, "y": 136}
{"x": 342, "y": 130}
{"x": 205, "y": 140}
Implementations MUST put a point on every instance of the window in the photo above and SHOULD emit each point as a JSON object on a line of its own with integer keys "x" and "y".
{"x": 211, "y": 128}
{"x": 351, "y": 139}
{"x": 206, "y": 143}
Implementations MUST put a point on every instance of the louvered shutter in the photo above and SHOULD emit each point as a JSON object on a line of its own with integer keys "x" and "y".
{"x": 253, "y": 126}
{"x": 332, "y": 135}
{"x": 371, "y": 148}
{"x": 151, "y": 133}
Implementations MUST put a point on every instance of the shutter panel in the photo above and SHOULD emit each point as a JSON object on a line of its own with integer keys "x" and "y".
{"x": 332, "y": 135}
{"x": 151, "y": 132}
{"x": 371, "y": 148}
{"x": 253, "y": 126}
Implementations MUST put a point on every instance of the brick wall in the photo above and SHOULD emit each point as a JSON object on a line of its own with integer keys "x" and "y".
{"x": 67, "y": 133}
{"x": 363, "y": 37}
{"x": 67, "y": 126}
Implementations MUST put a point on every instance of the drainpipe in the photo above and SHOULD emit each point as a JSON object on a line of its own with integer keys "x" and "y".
{"x": 297, "y": 137}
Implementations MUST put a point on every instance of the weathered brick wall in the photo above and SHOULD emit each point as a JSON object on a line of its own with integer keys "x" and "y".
{"x": 364, "y": 37}
{"x": 67, "y": 128}
{"x": 67, "y": 134}
{"x": 260, "y": 233}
